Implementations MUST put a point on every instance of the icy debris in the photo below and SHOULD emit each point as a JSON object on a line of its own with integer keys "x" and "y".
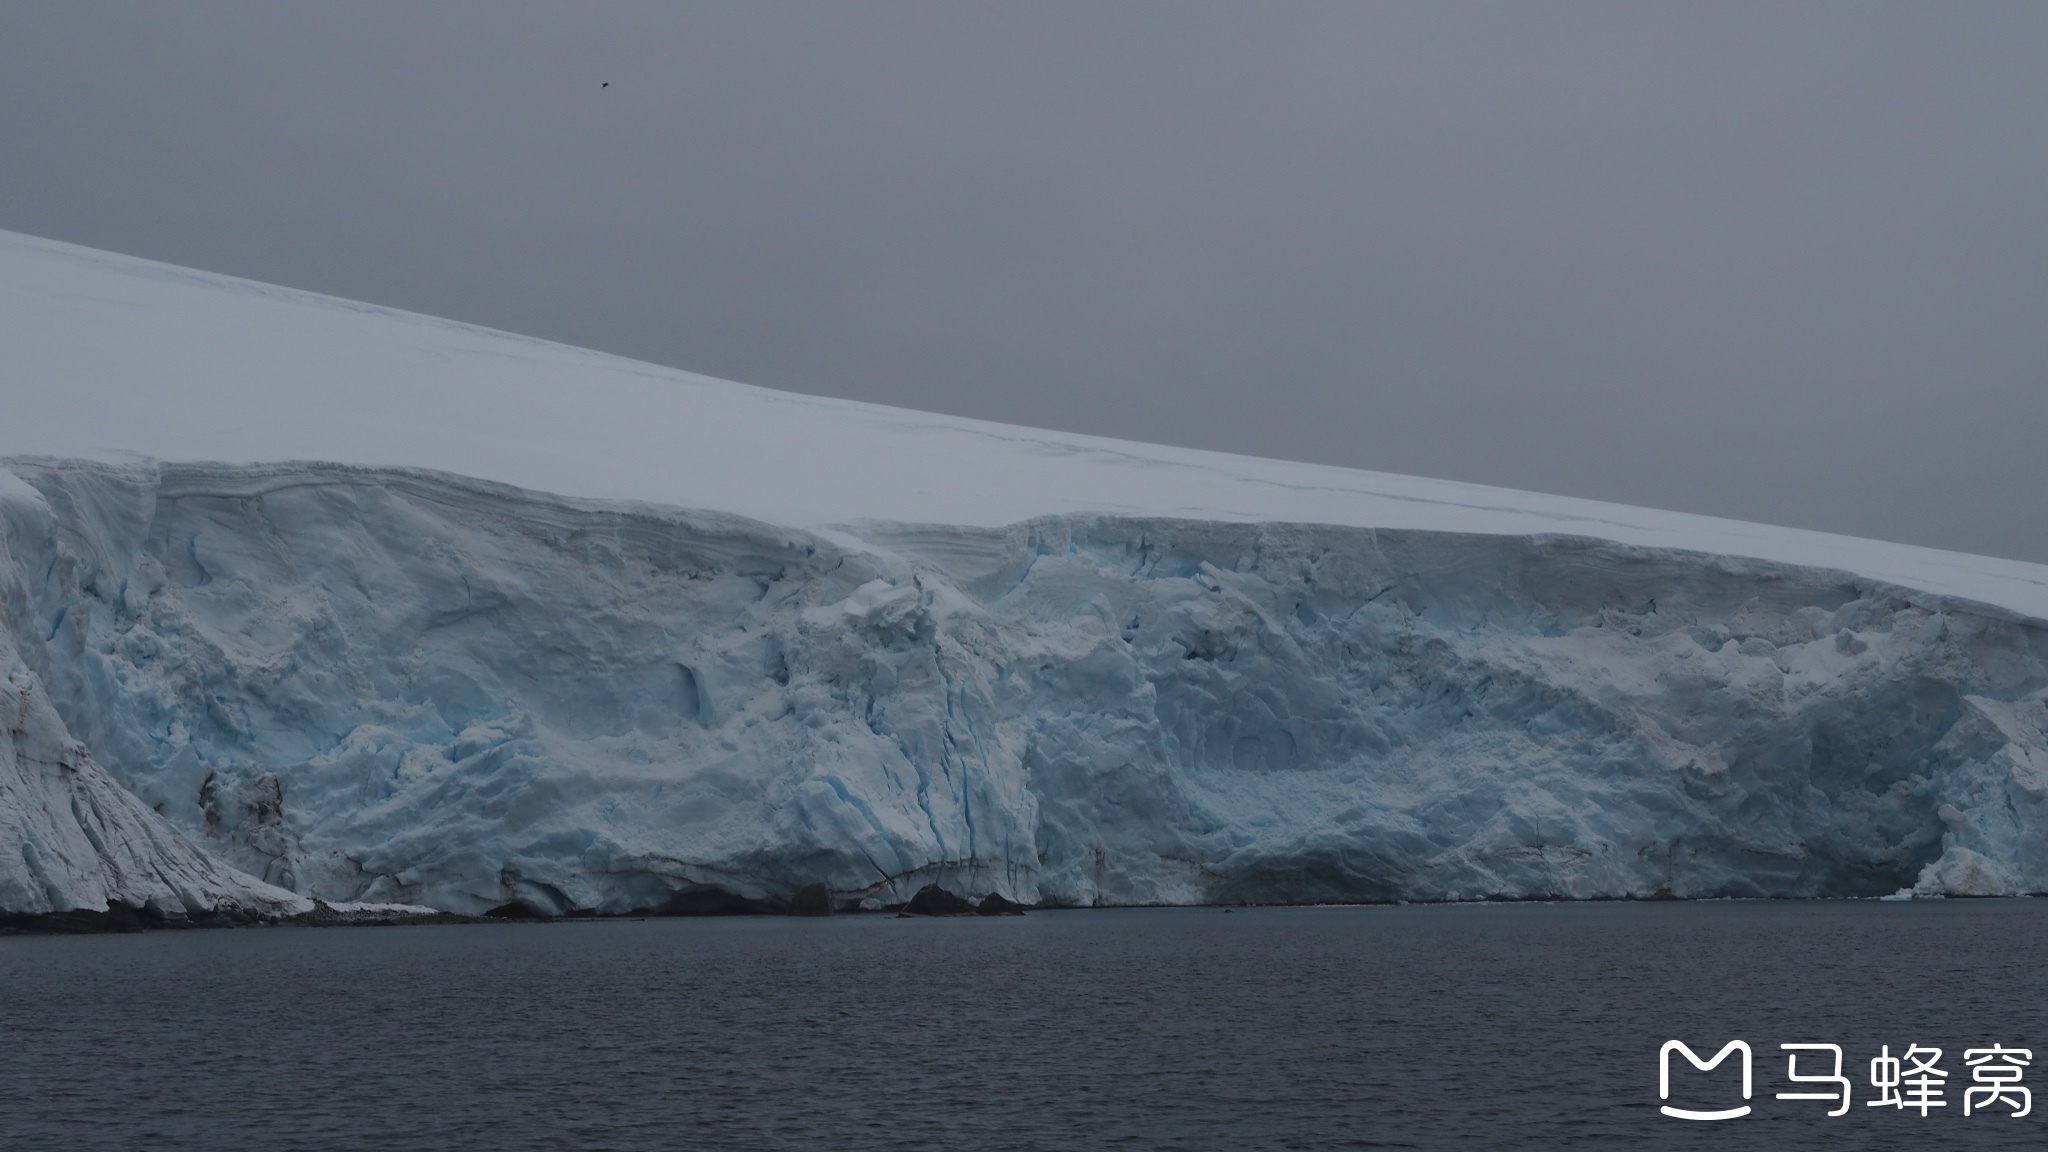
{"x": 74, "y": 840}
{"x": 370, "y": 908}
{"x": 1961, "y": 872}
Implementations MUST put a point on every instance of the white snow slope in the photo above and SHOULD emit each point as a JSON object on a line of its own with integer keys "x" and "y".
{"x": 909, "y": 647}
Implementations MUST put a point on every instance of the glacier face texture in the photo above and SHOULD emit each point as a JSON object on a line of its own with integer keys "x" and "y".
{"x": 394, "y": 686}
{"x": 75, "y": 840}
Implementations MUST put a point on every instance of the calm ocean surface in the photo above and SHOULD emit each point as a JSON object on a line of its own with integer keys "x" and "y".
{"x": 1387, "y": 1027}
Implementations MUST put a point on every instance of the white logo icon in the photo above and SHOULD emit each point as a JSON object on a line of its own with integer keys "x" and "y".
{"x": 1664, "y": 1078}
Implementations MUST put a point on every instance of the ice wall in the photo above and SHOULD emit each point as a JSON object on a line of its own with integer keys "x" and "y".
{"x": 73, "y": 839}
{"x": 400, "y": 686}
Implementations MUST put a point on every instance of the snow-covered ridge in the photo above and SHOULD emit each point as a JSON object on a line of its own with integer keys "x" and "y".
{"x": 397, "y": 686}
{"x": 110, "y": 357}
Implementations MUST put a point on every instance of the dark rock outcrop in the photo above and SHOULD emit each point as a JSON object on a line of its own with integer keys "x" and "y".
{"x": 994, "y": 904}
{"x": 811, "y": 900}
{"x": 932, "y": 900}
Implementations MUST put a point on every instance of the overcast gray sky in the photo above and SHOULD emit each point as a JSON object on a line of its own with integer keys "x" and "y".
{"x": 1782, "y": 262}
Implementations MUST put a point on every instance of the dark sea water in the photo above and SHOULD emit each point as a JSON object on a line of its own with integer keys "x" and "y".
{"x": 1388, "y": 1027}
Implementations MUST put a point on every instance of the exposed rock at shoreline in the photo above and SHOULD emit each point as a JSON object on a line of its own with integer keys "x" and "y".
{"x": 932, "y": 900}
{"x": 811, "y": 900}
{"x": 994, "y": 904}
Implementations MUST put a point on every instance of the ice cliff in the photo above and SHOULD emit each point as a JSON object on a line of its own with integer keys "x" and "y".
{"x": 76, "y": 840}
{"x": 387, "y": 685}
{"x": 905, "y": 648}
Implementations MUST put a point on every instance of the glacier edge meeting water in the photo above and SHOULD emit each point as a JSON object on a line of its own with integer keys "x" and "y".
{"x": 365, "y": 684}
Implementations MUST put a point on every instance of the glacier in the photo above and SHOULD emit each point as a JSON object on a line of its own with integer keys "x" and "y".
{"x": 78, "y": 841}
{"x": 379, "y": 685}
{"x": 488, "y": 647}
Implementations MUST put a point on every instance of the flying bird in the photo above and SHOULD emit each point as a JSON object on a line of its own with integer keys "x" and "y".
{"x": 606, "y": 84}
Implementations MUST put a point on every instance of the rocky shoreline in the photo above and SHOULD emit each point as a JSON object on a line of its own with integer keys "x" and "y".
{"x": 931, "y": 900}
